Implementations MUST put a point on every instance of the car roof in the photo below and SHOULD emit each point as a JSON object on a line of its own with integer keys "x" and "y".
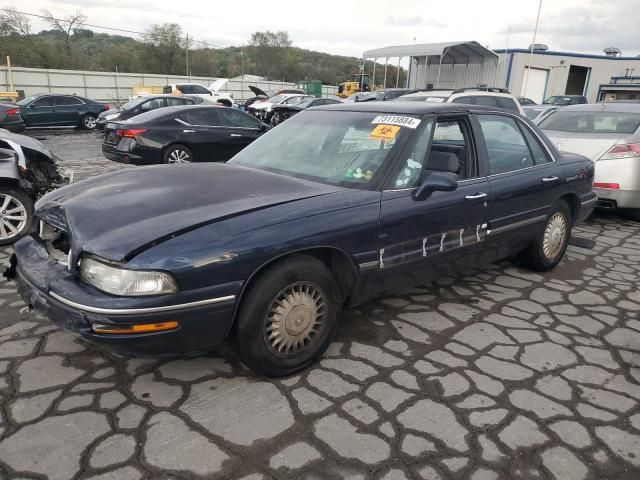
{"x": 408, "y": 108}
{"x": 604, "y": 107}
{"x": 430, "y": 93}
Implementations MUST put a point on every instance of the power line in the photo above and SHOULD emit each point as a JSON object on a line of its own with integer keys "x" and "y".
{"x": 192, "y": 40}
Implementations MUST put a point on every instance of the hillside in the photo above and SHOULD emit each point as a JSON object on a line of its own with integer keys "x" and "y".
{"x": 104, "y": 52}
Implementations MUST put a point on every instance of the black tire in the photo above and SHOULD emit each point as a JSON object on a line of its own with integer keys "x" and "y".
{"x": 252, "y": 325}
{"x": 6, "y": 237}
{"x": 557, "y": 226}
{"x": 89, "y": 121}
{"x": 173, "y": 154}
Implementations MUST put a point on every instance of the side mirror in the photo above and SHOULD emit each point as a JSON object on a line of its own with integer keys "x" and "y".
{"x": 436, "y": 182}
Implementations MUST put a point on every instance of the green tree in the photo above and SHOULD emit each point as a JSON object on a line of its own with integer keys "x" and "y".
{"x": 165, "y": 48}
{"x": 269, "y": 52}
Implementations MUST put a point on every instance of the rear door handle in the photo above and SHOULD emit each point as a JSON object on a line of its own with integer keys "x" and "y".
{"x": 476, "y": 196}
{"x": 549, "y": 179}
{"x": 188, "y": 131}
{"x": 236, "y": 135}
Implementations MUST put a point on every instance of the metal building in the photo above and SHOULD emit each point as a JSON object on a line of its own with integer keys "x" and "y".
{"x": 562, "y": 73}
{"x": 469, "y": 64}
{"x": 439, "y": 65}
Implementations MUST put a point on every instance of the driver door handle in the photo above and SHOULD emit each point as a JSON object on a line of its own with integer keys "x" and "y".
{"x": 549, "y": 179}
{"x": 188, "y": 131}
{"x": 236, "y": 135}
{"x": 477, "y": 196}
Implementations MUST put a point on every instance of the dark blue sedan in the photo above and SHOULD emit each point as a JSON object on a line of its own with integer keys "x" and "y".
{"x": 336, "y": 206}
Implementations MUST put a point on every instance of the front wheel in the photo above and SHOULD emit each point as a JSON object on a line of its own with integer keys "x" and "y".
{"x": 177, "y": 154}
{"x": 16, "y": 215}
{"x": 89, "y": 121}
{"x": 551, "y": 242}
{"x": 276, "y": 119}
{"x": 287, "y": 317}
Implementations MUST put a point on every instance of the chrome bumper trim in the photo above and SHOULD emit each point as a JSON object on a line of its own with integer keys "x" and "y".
{"x": 135, "y": 311}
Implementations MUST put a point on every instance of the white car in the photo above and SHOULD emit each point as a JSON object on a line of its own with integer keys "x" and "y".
{"x": 262, "y": 108}
{"x": 488, "y": 96}
{"x": 196, "y": 90}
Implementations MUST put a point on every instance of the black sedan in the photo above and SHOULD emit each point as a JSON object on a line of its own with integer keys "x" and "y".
{"x": 10, "y": 118}
{"x": 181, "y": 135}
{"x": 49, "y": 110}
{"x": 141, "y": 105}
{"x": 279, "y": 113}
{"x": 333, "y": 207}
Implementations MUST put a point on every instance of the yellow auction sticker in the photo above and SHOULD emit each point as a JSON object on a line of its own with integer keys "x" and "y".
{"x": 384, "y": 132}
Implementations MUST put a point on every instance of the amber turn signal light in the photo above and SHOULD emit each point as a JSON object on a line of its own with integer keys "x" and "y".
{"x": 137, "y": 328}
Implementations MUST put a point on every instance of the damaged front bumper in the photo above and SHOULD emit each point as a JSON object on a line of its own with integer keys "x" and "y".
{"x": 52, "y": 289}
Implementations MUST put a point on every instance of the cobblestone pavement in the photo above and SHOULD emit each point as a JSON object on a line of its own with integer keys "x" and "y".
{"x": 501, "y": 374}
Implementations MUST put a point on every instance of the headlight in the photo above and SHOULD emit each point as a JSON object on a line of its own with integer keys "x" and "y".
{"x": 113, "y": 116}
{"x": 123, "y": 282}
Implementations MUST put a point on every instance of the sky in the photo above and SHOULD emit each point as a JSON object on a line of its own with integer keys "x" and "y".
{"x": 349, "y": 28}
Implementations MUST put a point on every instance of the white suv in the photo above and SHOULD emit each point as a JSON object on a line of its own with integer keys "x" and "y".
{"x": 488, "y": 96}
{"x": 197, "y": 90}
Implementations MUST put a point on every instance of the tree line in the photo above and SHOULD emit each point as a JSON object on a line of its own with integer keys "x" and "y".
{"x": 164, "y": 49}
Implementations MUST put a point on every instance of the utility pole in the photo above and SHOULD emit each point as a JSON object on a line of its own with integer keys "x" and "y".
{"x": 186, "y": 54}
{"x": 535, "y": 32}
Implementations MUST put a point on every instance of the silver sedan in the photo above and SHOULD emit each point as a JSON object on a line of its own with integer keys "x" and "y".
{"x": 609, "y": 134}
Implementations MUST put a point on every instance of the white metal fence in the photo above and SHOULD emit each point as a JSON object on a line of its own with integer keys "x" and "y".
{"x": 110, "y": 86}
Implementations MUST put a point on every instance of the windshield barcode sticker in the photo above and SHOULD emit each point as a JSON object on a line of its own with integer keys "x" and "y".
{"x": 399, "y": 120}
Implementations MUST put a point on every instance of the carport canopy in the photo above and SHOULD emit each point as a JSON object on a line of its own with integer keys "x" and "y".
{"x": 443, "y": 53}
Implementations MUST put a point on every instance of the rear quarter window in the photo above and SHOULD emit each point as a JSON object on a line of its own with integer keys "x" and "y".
{"x": 507, "y": 104}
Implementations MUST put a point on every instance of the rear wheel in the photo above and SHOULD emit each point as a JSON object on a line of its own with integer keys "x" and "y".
{"x": 177, "y": 154}
{"x": 551, "y": 242}
{"x": 89, "y": 121}
{"x": 287, "y": 317}
{"x": 16, "y": 214}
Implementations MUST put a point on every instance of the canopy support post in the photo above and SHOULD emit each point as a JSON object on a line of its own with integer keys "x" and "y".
{"x": 398, "y": 72}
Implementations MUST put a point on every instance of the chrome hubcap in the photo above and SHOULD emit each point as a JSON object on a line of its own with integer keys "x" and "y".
{"x": 179, "y": 156}
{"x": 89, "y": 122}
{"x": 555, "y": 235}
{"x": 295, "y": 319}
{"x": 13, "y": 217}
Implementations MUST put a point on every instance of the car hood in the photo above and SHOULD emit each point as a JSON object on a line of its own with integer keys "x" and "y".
{"x": 110, "y": 112}
{"x": 19, "y": 143}
{"x": 257, "y": 91}
{"x": 592, "y": 146}
{"x": 118, "y": 215}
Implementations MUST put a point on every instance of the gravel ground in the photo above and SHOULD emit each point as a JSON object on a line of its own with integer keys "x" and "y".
{"x": 502, "y": 374}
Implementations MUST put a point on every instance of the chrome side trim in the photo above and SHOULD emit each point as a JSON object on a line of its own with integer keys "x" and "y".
{"x": 521, "y": 223}
{"x": 134, "y": 311}
{"x": 366, "y": 265}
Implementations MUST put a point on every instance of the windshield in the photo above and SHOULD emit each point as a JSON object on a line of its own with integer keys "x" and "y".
{"x": 306, "y": 102}
{"x": 557, "y": 101}
{"x": 277, "y": 98}
{"x": 134, "y": 103}
{"x": 339, "y": 148}
{"x": 591, "y": 122}
{"x": 532, "y": 112}
{"x": 27, "y": 100}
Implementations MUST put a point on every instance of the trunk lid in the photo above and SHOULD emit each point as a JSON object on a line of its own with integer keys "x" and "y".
{"x": 590, "y": 145}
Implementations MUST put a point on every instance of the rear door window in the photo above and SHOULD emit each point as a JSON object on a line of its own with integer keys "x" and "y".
{"x": 234, "y": 118}
{"x": 507, "y": 104}
{"x": 65, "y": 101}
{"x": 508, "y": 151}
{"x": 207, "y": 117}
{"x": 485, "y": 100}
